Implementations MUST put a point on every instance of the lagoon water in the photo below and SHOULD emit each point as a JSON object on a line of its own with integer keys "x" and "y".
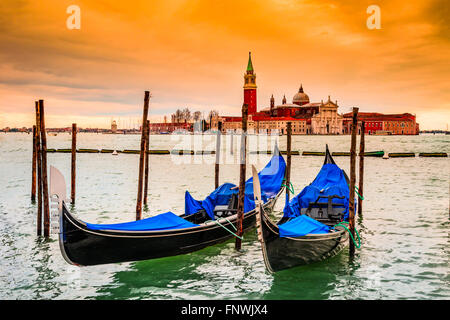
{"x": 404, "y": 228}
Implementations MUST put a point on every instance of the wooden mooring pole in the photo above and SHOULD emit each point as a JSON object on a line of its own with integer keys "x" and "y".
{"x": 141, "y": 158}
{"x": 46, "y": 209}
{"x": 288, "y": 162}
{"x": 243, "y": 163}
{"x": 33, "y": 169}
{"x": 146, "y": 158}
{"x": 361, "y": 168}
{"x": 216, "y": 170}
{"x": 351, "y": 208}
{"x": 39, "y": 170}
{"x": 231, "y": 142}
{"x": 73, "y": 163}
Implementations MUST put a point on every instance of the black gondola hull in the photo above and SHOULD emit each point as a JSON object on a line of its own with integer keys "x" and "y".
{"x": 283, "y": 253}
{"x": 82, "y": 246}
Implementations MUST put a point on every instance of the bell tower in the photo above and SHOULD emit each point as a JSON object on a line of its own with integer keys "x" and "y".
{"x": 250, "y": 86}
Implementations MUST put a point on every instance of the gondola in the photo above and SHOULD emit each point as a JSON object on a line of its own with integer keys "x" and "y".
{"x": 311, "y": 229}
{"x": 203, "y": 224}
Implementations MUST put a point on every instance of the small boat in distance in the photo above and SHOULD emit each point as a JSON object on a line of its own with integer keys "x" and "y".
{"x": 204, "y": 223}
{"x": 310, "y": 230}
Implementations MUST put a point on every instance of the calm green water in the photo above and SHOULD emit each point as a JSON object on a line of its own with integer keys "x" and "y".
{"x": 404, "y": 228}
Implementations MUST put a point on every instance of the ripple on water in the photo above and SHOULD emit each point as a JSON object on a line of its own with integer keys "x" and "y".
{"x": 404, "y": 227}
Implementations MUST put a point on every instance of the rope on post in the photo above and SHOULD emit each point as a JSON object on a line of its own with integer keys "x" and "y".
{"x": 356, "y": 191}
{"x": 290, "y": 187}
{"x": 234, "y": 234}
{"x": 353, "y": 239}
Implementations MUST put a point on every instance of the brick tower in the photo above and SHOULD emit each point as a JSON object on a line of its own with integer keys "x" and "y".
{"x": 250, "y": 86}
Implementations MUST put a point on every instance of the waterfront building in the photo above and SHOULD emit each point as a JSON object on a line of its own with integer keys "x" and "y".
{"x": 327, "y": 120}
{"x": 114, "y": 127}
{"x": 306, "y": 117}
{"x": 384, "y": 124}
{"x": 164, "y": 127}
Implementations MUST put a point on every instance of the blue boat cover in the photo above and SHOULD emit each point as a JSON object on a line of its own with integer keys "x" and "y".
{"x": 329, "y": 181}
{"x": 302, "y": 225}
{"x": 271, "y": 179}
{"x": 220, "y": 196}
{"x": 164, "y": 221}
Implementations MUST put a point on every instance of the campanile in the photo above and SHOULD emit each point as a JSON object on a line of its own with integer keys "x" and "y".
{"x": 250, "y": 86}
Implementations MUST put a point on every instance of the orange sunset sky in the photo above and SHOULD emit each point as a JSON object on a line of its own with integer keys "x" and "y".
{"x": 194, "y": 54}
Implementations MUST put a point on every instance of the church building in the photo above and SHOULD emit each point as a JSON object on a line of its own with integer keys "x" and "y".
{"x": 306, "y": 117}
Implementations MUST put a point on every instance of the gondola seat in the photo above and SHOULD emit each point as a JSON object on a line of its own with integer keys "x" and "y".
{"x": 328, "y": 211}
{"x": 221, "y": 211}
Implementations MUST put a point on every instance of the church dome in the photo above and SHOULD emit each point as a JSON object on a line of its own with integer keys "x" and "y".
{"x": 300, "y": 97}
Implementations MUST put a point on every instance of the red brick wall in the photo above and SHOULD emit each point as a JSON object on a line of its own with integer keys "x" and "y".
{"x": 250, "y": 100}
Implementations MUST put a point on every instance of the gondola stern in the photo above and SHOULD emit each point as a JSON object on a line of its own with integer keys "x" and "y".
{"x": 328, "y": 158}
{"x": 58, "y": 189}
{"x": 260, "y": 218}
{"x": 62, "y": 235}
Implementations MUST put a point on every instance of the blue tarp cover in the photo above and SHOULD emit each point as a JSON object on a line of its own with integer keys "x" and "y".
{"x": 271, "y": 179}
{"x": 220, "y": 196}
{"x": 164, "y": 221}
{"x": 302, "y": 225}
{"x": 329, "y": 181}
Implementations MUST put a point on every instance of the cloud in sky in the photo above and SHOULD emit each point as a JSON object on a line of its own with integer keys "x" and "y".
{"x": 194, "y": 53}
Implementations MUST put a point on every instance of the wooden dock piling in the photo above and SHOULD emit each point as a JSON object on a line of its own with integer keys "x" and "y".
{"x": 216, "y": 169}
{"x": 243, "y": 163}
{"x": 33, "y": 168}
{"x": 361, "y": 168}
{"x": 73, "y": 163}
{"x": 141, "y": 158}
{"x": 352, "y": 180}
{"x": 146, "y": 158}
{"x": 231, "y": 142}
{"x": 39, "y": 170}
{"x": 46, "y": 208}
{"x": 288, "y": 158}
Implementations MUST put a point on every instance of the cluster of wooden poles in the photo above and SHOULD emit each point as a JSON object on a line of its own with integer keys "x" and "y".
{"x": 353, "y": 176}
{"x": 40, "y": 167}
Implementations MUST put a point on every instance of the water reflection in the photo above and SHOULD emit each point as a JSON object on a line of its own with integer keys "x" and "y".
{"x": 214, "y": 272}
{"x": 404, "y": 228}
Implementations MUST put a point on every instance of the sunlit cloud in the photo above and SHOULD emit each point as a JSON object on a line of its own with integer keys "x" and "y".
{"x": 193, "y": 54}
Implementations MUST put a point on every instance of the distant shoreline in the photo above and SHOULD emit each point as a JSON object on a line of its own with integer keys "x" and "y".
{"x": 437, "y": 132}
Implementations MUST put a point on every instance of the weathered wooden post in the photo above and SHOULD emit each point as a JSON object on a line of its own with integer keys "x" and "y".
{"x": 216, "y": 171}
{"x": 141, "y": 158}
{"x": 231, "y": 142}
{"x": 361, "y": 168}
{"x": 39, "y": 169}
{"x": 288, "y": 162}
{"x": 44, "y": 171}
{"x": 73, "y": 163}
{"x": 33, "y": 169}
{"x": 243, "y": 162}
{"x": 147, "y": 151}
{"x": 351, "y": 208}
